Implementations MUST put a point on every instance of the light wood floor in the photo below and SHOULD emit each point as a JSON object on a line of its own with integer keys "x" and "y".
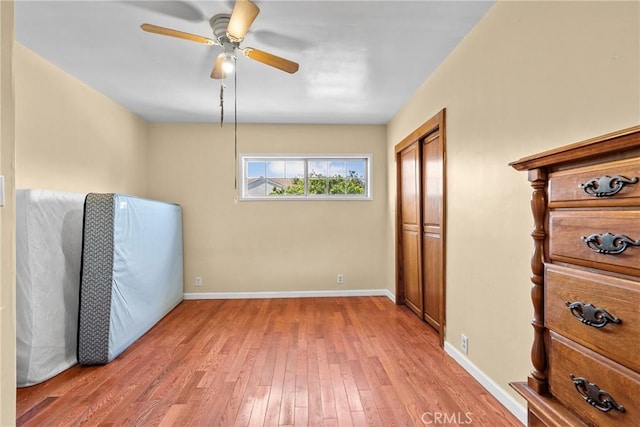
{"x": 353, "y": 361}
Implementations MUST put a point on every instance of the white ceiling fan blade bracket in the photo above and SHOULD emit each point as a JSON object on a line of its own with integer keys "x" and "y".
{"x": 230, "y": 47}
{"x": 234, "y": 39}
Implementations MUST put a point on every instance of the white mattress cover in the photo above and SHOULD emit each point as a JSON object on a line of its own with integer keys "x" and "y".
{"x": 48, "y": 260}
{"x": 147, "y": 267}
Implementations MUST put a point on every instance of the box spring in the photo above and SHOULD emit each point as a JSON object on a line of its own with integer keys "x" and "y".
{"x": 132, "y": 272}
{"x": 48, "y": 253}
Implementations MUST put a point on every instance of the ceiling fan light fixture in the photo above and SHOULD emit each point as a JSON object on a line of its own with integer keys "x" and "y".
{"x": 228, "y": 62}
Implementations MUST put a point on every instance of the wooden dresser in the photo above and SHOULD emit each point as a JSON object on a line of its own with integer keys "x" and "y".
{"x": 586, "y": 283}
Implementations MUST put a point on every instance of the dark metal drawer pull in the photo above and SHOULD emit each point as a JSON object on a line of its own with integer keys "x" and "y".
{"x": 594, "y": 396}
{"x": 606, "y": 186}
{"x": 591, "y": 315}
{"x": 610, "y": 244}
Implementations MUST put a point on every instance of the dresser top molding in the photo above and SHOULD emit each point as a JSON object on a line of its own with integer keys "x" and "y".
{"x": 610, "y": 143}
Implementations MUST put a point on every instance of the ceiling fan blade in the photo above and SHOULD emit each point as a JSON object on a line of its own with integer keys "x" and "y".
{"x": 150, "y": 28}
{"x": 217, "y": 72}
{"x": 272, "y": 60}
{"x": 243, "y": 15}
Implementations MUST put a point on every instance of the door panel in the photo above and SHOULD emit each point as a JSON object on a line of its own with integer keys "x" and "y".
{"x": 410, "y": 223}
{"x": 432, "y": 163}
{"x": 411, "y": 269}
{"x": 433, "y": 293}
{"x": 410, "y": 168}
{"x": 432, "y": 212}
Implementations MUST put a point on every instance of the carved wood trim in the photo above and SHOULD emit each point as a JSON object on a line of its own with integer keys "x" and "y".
{"x": 538, "y": 379}
{"x": 614, "y": 142}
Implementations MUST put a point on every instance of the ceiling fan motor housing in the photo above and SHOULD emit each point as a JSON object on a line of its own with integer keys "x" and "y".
{"x": 219, "y": 24}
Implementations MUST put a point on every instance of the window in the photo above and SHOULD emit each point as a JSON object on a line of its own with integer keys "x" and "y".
{"x": 306, "y": 177}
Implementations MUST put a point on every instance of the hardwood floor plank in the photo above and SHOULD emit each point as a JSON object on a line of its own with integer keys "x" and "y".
{"x": 328, "y": 400}
{"x": 340, "y": 396}
{"x": 259, "y": 410}
{"x": 173, "y": 414}
{"x": 215, "y": 409}
{"x": 239, "y": 405}
{"x": 191, "y": 387}
{"x": 351, "y": 388}
{"x": 330, "y": 422}
{"x": 301, "y": 417}
{"x": 314, "y": 396}
{"x": 301, "y": 397}
{"x": 272, "y": 417}
{"x": 370, "y": 410}
{"x": 360, "y": 361}
{"x": 359, "y": 418}
{"x": 287, "y": 403}
{"x": 35, "y": 410}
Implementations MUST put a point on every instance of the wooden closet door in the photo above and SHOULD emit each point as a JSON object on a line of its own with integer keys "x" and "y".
{"x": 432, "y": 227}
{"x": 410, "y": 224}
{"x": 420, "y": 222}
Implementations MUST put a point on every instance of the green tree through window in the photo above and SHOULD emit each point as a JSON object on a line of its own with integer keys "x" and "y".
{"x": 319, "y": 184}
{"x": 302, "y": 177}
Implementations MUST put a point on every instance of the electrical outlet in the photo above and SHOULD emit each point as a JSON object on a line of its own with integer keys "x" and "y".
{"x": 198, "y": 281}
{"x": 340, "y": 279}
{"x": 464, "y": 343}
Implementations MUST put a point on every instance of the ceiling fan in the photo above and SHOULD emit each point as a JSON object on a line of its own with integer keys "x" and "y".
{"x": 229, "y": 31}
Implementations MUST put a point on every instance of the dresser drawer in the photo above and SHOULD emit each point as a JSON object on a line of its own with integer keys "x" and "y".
{"x": 598, "y": 311}
{"x": 601, "y": 239}
{"x": 595, "y": 376}
{"x": 612, "y": 183}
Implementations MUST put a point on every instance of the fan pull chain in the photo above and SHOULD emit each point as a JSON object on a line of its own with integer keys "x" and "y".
{"x": 235, "y": 131}
{"x": 221, "y": 103}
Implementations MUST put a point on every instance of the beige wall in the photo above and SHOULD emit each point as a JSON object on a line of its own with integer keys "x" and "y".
{"x": 7, "y": 220}
{"x": 530, "y": 76}
{"x": 68, "y": 137}
{"x": 257, "y": 246}
{"x": 72, "y": 138}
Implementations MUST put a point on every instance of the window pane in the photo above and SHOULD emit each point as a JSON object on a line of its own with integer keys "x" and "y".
{"x": 256, "y": 169}
{"x": 356, "y": 171}
{"x": 275, "y": 169}
{"x": 337, "y": 168}
{"x": 285, "y": 177}
{"x": 275, "y": 178}
{"x": 255, "y": 179}
{"x": 318, "y": 185}
{"x": 318, "y": 168}
{"x": 355, "y": 186}
{"x": 357, "y": 168}
{"x": 337, "y": 185}
{"x": 294, "y": 178}
{"x": 306, "y": 177}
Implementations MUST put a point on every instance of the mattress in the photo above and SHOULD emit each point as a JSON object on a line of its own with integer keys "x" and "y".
{"x": 48, "y": 254}
{"x": 132, "y": 272}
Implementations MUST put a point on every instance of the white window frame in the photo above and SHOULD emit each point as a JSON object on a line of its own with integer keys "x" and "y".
{"x": 246, "y": 157}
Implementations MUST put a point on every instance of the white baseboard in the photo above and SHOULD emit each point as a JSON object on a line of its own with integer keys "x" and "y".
{"x": 291, "y": 294}
{"x": 512, "y": 405}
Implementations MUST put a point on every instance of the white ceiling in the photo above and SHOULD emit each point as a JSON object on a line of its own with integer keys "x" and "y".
{"x": 360, "y": 61}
